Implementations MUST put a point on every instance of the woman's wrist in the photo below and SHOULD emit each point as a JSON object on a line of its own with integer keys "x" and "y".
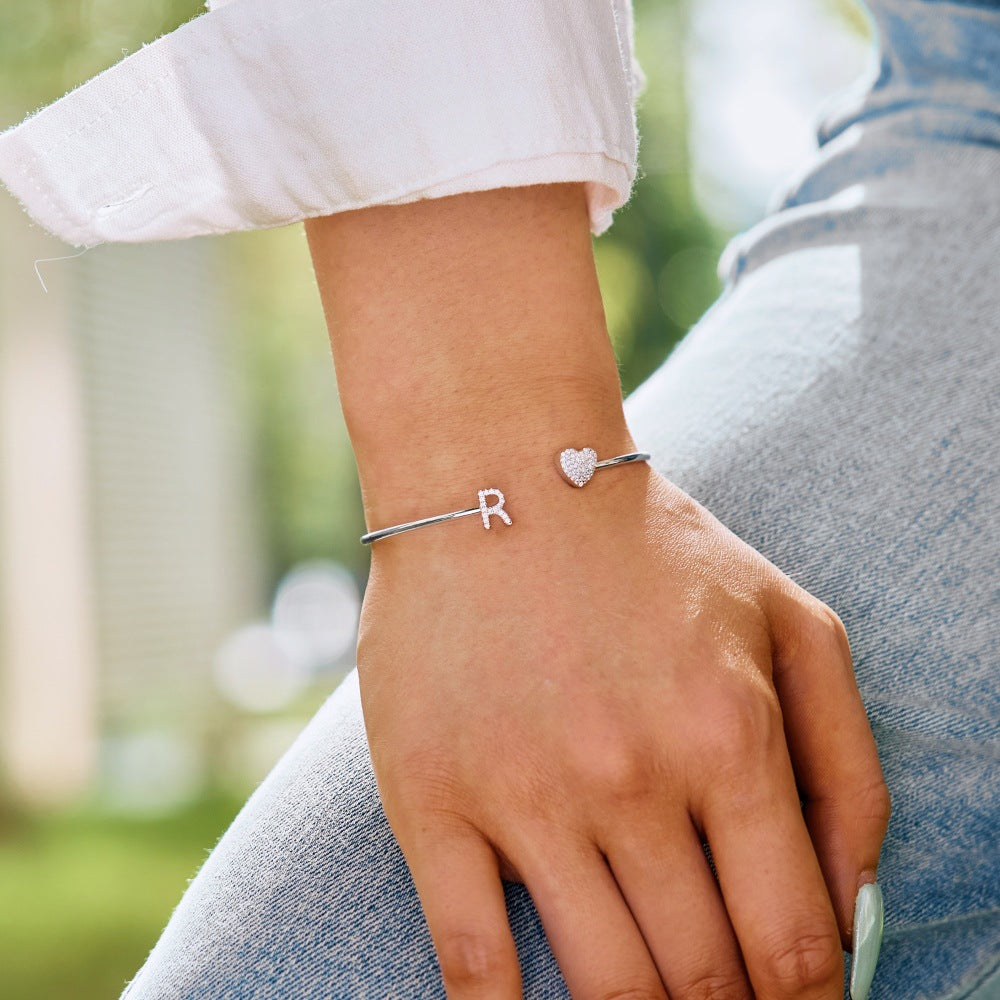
{"x": 511, "y": 441}
{"x": 470, "y": 344}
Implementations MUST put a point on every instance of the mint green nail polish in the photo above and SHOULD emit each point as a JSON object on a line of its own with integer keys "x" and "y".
{"x": 866, "y": 939}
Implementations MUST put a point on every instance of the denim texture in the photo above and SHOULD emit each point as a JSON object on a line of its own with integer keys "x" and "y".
{"x": 838, "y": 409}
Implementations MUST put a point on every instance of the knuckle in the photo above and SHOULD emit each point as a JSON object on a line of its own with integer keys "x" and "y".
{"x": 716, "y": 986}
{"x": 623, "y": 778}
{"x": 472, "y": 960}
{"x": 827, "y": 629}
{"x": 427, "y": 800}
{"x": 812, "y": 628}
{"x": 830, "y": 621}
{"x": 874, "y": 804}
{"x": 738, "y": 728}
{"x": 836, "y": 632}
{"x": 613, "y": 770}
{"x": 813, "y": 960}
{"x": 429, "y": 784}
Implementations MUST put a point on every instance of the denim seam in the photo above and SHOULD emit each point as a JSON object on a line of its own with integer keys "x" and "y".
{"x": 945, "y": 921}
{"x": 982, "y": 977}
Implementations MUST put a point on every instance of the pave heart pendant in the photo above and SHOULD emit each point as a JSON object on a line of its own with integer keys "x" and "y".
{"x": 578, "y": 466}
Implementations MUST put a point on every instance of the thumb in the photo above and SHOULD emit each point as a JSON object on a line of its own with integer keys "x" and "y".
{"x": 846, "y": 801}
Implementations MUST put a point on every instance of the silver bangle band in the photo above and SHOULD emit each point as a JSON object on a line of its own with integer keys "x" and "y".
{"x": 576, "y": 466}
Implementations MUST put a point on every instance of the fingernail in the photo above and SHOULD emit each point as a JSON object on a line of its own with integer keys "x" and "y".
{"x": 866, "y": 939}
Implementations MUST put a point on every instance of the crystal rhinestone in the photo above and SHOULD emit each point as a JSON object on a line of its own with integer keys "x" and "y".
{"x": 578, "y": 466}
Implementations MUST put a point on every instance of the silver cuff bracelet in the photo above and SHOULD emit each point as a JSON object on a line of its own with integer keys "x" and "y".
{"x": 576, "y": 466}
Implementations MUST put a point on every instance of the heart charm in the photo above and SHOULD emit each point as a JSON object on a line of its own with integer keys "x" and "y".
{"x": 578, "y": 466}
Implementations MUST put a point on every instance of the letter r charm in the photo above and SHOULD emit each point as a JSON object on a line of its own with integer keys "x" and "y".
{"x": 496, "y": 509}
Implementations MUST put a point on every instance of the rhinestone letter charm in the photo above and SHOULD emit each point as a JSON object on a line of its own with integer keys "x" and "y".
{"x": 496, "y": 508}
{"x": 578, "y": 466}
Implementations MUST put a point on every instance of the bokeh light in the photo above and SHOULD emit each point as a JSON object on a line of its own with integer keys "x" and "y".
{"x": 315, "y": 613}
{"x": 150, "y": 771}
{"x": 258, "y": 671}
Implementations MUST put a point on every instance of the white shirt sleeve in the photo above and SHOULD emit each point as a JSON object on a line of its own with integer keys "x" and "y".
{"x": 264, "y": 112}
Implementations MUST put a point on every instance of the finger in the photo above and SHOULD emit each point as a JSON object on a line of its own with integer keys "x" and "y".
{"x": 833, "y": 754}
{"x": 770, "y": 878}
{"x": 669, "y": 887}
{"x": 457, "y": 879}
{"x": 587, "y": 922}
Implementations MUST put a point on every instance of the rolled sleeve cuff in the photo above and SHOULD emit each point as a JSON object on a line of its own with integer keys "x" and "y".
{"x": 257, "y": 114}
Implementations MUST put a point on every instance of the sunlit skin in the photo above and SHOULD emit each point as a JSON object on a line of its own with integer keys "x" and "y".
{"x": 580, "y": 699}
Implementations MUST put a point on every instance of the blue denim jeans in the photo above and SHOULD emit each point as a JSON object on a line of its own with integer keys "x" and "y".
{"x": 838, "y": 409}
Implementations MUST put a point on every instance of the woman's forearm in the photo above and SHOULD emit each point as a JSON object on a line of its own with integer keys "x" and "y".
{"x": 470, "y": 344}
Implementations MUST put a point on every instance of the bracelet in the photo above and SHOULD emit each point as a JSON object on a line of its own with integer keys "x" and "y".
{"x": 576, "y": 466}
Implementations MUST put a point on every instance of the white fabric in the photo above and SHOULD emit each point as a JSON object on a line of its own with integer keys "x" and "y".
{"x": 260, "y": 113}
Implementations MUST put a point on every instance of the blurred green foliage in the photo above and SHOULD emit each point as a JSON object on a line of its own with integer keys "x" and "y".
{"x": 307, "y": 485}
{"x": 86, "y": 895}
{"x": 50, "y": 46}
{"x": 657, "y": 261}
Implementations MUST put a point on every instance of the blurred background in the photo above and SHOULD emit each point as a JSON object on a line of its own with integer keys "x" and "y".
{"x": 180, "y": 572}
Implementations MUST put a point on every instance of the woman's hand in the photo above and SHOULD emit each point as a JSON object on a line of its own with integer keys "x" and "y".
{"x": 579, "y": 701}
{"x": 581, "y": 698}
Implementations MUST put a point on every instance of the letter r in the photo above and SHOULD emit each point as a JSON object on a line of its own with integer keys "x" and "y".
{"x": 496, "y": 508}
